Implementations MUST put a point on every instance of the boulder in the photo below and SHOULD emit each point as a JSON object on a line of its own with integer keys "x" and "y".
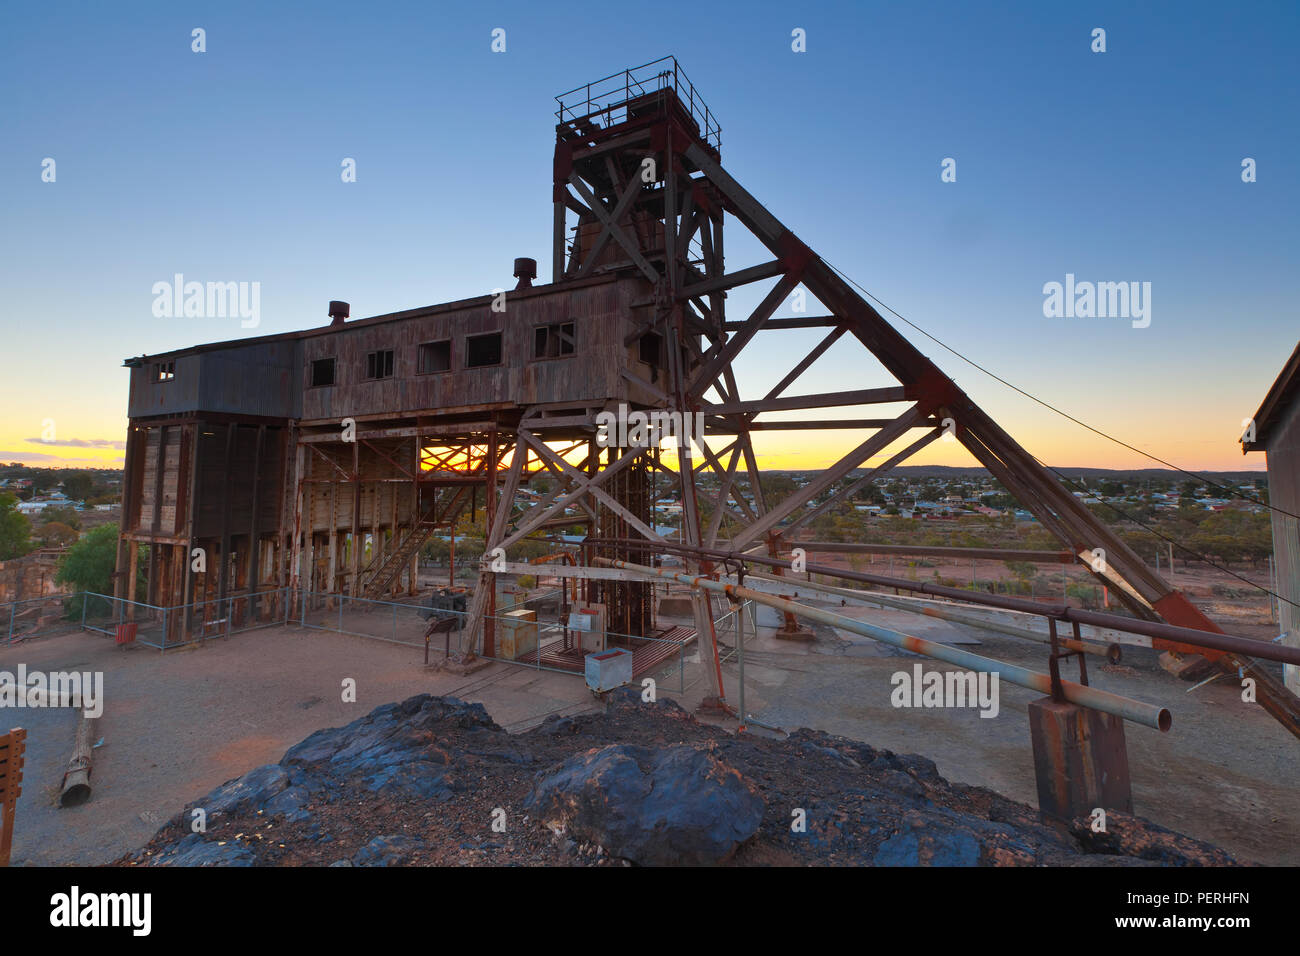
{"x": 391, "y": 849}
{"x": 652, "y": 806}
{"x": 196, "y": 850}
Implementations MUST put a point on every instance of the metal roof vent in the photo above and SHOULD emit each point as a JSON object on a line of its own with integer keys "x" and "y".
{"x": 525, "y": 272}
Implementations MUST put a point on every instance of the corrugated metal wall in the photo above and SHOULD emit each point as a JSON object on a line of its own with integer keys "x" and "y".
{"x": 599, "y": 314}
{"x": 260, "y": 379}
{"x": 1284, "y": 492}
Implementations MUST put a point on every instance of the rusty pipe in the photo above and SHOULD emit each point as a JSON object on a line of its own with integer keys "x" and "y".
{"x": 1149, "y": 715}
{"x": 1228, "y": 643}
{"x": 1111, "y": 652}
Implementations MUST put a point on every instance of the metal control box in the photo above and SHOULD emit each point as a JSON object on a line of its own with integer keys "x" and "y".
{"x": 610, "y": 669}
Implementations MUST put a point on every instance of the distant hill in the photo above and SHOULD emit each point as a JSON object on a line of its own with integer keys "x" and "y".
{"x": 1154, "y": 474}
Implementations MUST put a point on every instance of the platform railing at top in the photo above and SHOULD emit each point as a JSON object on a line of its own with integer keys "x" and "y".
{"x": 609, "y": 96}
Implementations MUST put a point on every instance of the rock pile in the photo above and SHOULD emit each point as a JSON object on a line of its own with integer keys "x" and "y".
{"x": 433, "y": 781}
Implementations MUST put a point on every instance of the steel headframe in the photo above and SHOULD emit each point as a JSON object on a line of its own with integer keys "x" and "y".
{"x": 650, "y": 193}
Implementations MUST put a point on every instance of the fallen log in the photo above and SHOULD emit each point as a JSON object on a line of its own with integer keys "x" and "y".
{"x": 75, "y": 789}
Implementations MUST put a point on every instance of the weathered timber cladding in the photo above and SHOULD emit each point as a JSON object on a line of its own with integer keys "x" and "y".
{"x": 199, "y": 468}
{"x": 225, "y": 484}
{"x": 160, "y": 478}
{"x": 599, "y": 312}
{"x": 1284, "y": 493}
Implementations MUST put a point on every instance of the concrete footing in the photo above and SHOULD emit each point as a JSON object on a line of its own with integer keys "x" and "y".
{"x": 461, "y": 665}
{"x": 1080, "y": 759}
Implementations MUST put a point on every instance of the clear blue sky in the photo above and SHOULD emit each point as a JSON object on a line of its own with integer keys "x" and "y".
{"x": 225, "y": 166}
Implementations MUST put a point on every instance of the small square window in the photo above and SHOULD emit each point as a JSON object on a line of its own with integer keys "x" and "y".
{"x": 553, "y": 341}
{"x": 435, "y": 357}
{"x": 481, "y": 350}
{"x": 322, "y": 372}
{"x": 164, "y": 371}
{"x": 379, "y": 364}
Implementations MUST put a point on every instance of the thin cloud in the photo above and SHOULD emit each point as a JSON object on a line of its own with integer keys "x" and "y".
{"x": 79, "y": 442}
{"x": 36, "y": 457}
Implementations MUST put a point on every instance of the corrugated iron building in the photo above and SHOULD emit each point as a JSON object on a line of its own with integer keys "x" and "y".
{"x": 236, "y": 448}
{"x": 1276, "y": 432}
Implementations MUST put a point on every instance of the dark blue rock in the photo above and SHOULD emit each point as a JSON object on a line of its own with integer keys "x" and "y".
{"x": 390, "y": 850}
{"x": 929, "y": 848}
{"x": 654, "y": 807}
{"x": 415, "y": 779}
{"x": 251, "y": 791}
{"x": 272, "y": 788}
{"x": 195, "y": 850}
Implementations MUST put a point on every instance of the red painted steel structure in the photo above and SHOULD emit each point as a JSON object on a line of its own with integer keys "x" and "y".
{"x": 637, "y": 162}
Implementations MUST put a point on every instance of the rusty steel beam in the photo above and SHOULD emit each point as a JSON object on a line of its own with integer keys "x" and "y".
{"x": 1149, "y": 715}
{"x": 1157, "y": 630}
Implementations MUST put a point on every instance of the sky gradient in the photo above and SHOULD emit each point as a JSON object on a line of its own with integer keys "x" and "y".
{"x": 1115, "y": 166}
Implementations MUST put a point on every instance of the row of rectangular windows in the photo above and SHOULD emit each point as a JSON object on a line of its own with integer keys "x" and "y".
{"x": 549, "y": 341}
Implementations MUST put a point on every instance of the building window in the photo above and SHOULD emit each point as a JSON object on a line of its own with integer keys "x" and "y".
{"x": 164, "y": 371}
{"x": 553, "y": 341}
{"x": 379, "y": 364}
{"x": 322, "y": 372}
{"x": 650, "y": 349}
{"x": 481, "y": 350}
{"x": 435, "y": 357}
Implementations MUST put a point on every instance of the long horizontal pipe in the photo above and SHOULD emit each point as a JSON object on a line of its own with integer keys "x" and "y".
{"x": 1232, "y": 644}
{"x": 1111, "y": 652}
{"x": 998, "y": 554}
{"x": 1149, "y": 715}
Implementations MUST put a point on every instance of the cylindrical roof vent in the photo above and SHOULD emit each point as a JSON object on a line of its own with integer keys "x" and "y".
{"x": 525, "y": 272}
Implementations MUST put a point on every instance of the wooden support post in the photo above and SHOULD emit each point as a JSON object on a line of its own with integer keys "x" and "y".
{"x": 355, "y": 570}
{"x": 300, "y": 529}
{"x": 254, "y": 540}
{"x": 191, "y": 480}
{"x": 223, "y": 584}
{"x": 489, "y": 508}
{"x": 331, "y": 585}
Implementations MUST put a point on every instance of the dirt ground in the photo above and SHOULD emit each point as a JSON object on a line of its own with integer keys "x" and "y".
{"x": 178, "y": 724}
{"x": 1233, "y": 604}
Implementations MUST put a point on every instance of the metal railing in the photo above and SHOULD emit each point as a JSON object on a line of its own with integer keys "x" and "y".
{"x": 406, "y": 624}
{"x": 27, "y": 618}
{"x": 165, "y": 628}
{"x": 607, "y": 99}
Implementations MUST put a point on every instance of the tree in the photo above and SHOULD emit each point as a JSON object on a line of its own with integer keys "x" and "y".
{"x": 55, "y": 534}
{"x": 14, "y": 529}
{"x": 62, "y": 514}
{"x": 78, "y": 485}
{"x": 89, "y": 565}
